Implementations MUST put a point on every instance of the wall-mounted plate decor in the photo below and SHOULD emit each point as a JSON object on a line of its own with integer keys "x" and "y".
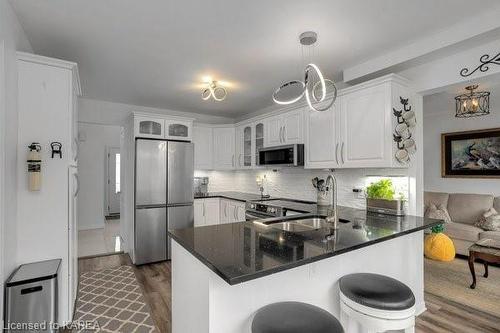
{"x": 471, "y": 154}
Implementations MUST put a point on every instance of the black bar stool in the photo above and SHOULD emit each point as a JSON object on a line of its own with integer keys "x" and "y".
{"x": 294, "y": 317}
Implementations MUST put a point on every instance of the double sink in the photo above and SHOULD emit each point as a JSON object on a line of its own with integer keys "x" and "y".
{"x": 303, "y": 225}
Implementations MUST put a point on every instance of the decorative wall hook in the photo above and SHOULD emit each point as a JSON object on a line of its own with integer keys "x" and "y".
{"x": 56, "y": 149}
{"x": 486, "y": 61}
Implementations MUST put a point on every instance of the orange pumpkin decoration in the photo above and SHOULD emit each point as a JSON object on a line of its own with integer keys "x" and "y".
{"x": 440, "y": 247}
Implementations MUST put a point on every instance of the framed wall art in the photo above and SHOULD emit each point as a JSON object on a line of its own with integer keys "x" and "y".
{"x": 471, "y": 154}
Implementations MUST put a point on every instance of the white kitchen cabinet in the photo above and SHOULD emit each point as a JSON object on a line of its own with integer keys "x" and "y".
{"x": 199, "y": 212}
{"x": 212, "y": 211}
{"x": 46, "y": 105}
{"x": 203, "y": 147}
{"x": 224, "y": 153}
{"x": 322, "y": 138}
{"x": 206, "y": 211}
{"x": 225, "y": 216}
{"x": 178, "y": 129}
{"x": 366, "y": 127}
{"x": 231, "y": 211}
{"x": 284, "y": 129}
{"x": 245, "y": 142}
{"x": 259, "y": 140}
{"x": 149, "y": 127}
{"x": 358, "y": 131}
{"x": 249, "y": 139}
{"x": 240, "y": 211}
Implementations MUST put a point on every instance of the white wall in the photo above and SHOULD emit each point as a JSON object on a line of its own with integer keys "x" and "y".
{"x": 12, "y": 39}
{"x": 439, "y": 117}
{"x": 92, "y": 166}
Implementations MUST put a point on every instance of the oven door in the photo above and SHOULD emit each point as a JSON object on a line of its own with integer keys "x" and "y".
{"x": 253, "y": 216}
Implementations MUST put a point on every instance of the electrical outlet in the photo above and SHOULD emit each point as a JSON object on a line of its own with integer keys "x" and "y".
{"x": 360, "y": 193}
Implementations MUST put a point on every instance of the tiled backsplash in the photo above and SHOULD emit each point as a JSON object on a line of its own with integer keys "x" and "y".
{"x": 296, "y": 182}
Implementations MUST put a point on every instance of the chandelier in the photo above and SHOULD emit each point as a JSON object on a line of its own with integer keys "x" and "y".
{"x": 472, "y": 103}
{"x": 218, "y": 93}
{"x": 314, "y": 86}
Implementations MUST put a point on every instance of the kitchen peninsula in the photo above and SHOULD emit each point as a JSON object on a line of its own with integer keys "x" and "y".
{"x": 237, "y": 268}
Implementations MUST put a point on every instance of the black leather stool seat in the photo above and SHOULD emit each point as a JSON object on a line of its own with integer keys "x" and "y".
{"x": 377, "y": 291}
{"x": 294, "y": 317}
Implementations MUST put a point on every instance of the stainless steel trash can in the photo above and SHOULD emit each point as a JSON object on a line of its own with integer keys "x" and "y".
{"x": 31, "y": 297}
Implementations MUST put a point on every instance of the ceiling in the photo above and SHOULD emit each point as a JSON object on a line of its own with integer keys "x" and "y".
{"x": 155, "y": 52}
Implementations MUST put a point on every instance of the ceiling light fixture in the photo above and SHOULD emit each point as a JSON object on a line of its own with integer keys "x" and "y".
{"x": 472, "y": 104}
{"x": 314, "y": 86}
{"x": 218, "y": 93}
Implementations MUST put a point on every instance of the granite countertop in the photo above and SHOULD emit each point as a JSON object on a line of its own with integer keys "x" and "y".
{"x": 244, "y": 251}
{"x": 239, "y": 196}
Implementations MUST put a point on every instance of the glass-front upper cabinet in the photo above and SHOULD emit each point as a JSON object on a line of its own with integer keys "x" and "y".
{"x": 247, "y": 146}
{"x": 259, "y": 140}
{"x": 149, "y": 127}
{"x": 178, "y": 130}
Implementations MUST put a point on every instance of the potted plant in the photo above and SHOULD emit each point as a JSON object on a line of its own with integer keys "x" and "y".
{"x": 381, "y": 198}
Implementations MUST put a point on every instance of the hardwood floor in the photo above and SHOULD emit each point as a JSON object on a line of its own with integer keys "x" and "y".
{"x": 442, "y": 315}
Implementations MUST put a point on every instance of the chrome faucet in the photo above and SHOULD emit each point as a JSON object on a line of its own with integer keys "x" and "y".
{"x": 331, "y": 188}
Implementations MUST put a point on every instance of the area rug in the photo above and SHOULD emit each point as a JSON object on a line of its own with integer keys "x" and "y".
{"x": 112, "y": 301}
{"x": 451, "y": 280}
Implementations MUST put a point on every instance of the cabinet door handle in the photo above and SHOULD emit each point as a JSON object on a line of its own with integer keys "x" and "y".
{"x": 203, "y": 209}
{"x": 225, "y": 209}
{"x": 284, "y": 134}
{"x": 232, "y": 161}
{"x": 342, "y": 152}
{"x": 239, "y": 159}
{"x": 77, "y": 185}
{"x": 336, "y": 152}
{"x": 77, "y": 149}
{"x": 281, "y": 129}
{"x": 235, "y": 211}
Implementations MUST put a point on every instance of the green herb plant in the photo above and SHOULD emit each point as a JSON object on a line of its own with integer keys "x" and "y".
{"x": 383, "y": 189}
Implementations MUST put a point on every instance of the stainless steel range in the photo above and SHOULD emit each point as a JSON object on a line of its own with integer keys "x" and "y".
{"x": 265, "y": 209}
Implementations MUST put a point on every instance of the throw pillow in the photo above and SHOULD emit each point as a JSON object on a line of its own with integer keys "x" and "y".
{"x": 438, "y": 212}
{"x": 490, "y": 221}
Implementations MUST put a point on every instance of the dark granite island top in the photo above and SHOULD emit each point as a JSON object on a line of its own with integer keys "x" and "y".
{"x": 244, "y": 251}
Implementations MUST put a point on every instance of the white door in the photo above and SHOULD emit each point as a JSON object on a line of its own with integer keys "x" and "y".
{"x": 224, "y": 156}
{"x": 292, "y": 127}
{"x": 199, "y": 212}
{"x": 365, "y": 121}
{"x": 322, "y": 148}
{"x": 212, "y": 208}
{"x": 231, "y": 211}
{"x": 203, "y": 144}
{"x": 113, "y": 182}
{"x": 274, "y": 131}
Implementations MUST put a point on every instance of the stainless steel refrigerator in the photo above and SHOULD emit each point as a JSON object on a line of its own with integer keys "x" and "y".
{"x": 164, "y": 173}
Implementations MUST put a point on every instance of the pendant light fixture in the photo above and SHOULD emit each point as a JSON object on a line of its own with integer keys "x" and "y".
{"x": 472, "y": 103}
{"x": 218, "y": 93}
{"x": 314, "y": 86}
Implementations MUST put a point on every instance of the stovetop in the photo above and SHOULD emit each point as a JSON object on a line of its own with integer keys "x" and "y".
{"x": 279, "y": 206}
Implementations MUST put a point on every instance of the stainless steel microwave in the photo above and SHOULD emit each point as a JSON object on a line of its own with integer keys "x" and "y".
{"x": 289, "y": 155}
